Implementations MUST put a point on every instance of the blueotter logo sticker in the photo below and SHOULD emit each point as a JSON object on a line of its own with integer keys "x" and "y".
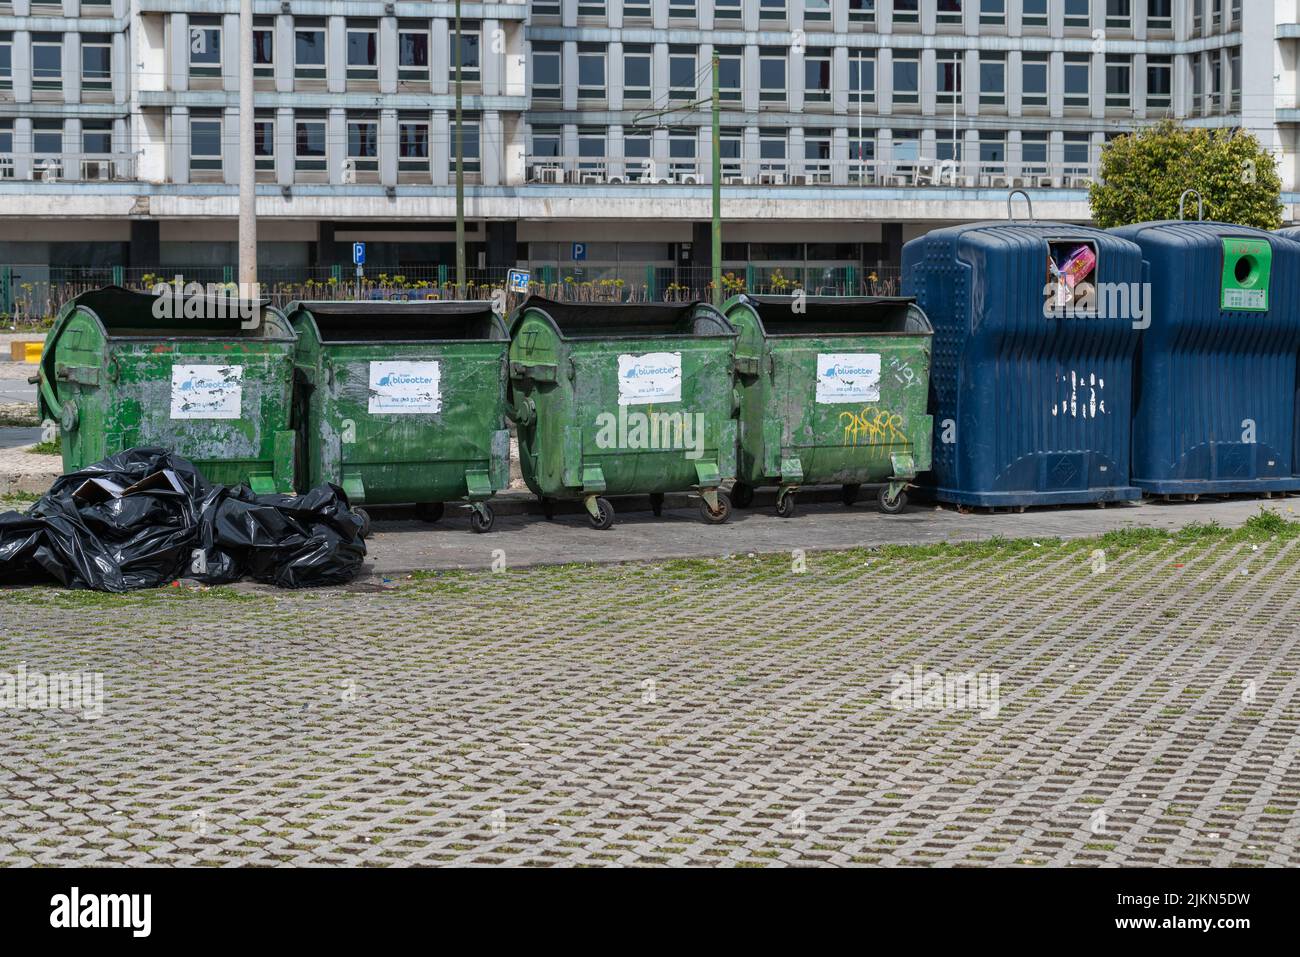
{"x": 651, "y": 378}
{"x": 848, "y": 377}
{"x": 405, "y": 388}
{"x": 207, "y": 392}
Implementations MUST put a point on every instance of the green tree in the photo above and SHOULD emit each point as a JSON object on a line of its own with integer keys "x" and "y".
{"x": 1144, "y": 173}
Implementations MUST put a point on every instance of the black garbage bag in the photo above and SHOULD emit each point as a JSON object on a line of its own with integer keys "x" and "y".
{"x": 145, "y": 517}
{"x": 294, "y": 541}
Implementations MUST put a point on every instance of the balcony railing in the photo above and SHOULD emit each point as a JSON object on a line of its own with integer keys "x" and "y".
{"x": 67, "y": 167}
{"x": 984, "y": 174}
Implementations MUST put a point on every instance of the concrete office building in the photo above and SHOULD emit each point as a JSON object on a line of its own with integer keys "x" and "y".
{"x": 848, "y": 125}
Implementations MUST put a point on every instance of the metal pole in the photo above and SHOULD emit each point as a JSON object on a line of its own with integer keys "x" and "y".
{"x": 247, "y": 157}
{"x": 460, "y": 169}
{"x": 717, "y": 184}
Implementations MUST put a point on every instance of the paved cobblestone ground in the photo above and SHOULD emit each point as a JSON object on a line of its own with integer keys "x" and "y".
{"x": 723, "y": 711}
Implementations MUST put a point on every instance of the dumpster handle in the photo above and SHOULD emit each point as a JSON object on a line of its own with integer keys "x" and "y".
{"x": 1028, "y": 202}
{"x": 1200, "y": 203}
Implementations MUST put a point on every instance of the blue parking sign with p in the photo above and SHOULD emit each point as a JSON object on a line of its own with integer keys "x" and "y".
{"x": 359, "y": 253}
{"x": 579, "y": 252}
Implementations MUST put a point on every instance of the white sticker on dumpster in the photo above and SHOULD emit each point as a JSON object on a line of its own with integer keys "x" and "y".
{"x": 207, "y": 392}
{"x": 650, "y": 378}
{"x": 848, "y": 377}
{"x": 405, "y": 388}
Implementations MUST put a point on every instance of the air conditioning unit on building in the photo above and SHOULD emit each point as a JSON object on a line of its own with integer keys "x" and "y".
{"x": 349, "y": 172}
{"x": 690, "y": 179}
{"x": 95, "y": 169}
{"x": 47, "y": 170}
{"x": 551, "y": 174}
{"x": 616, "y": 181}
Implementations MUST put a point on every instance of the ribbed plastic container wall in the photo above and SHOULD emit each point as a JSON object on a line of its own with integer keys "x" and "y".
{"x": 1293, "y": 232}
{"x": 1216, "y": 403}
{"x": 1029, "y": 408}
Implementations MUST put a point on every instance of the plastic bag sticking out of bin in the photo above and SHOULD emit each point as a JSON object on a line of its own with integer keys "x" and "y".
{"x": 833, "y": 391}
{"x": 1036, "y": 326}
{"x": 624, "y": 400}
{"x": 405, "y": 402}
{"x": 1216, "y": 410}
{"x": 208, "y": 378}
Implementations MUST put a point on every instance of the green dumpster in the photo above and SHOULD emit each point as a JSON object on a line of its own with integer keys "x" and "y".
{"x": 404, "y": 402}
{"x": 833, "y": 392}
{"x": 624, "y": 400}
{"x": 207, "y": 377}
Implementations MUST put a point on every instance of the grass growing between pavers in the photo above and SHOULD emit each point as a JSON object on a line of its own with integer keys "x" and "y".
{"x": 1261, "y": 529}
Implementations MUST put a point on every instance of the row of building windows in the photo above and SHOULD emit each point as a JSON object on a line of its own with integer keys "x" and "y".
{"x": 1215, "y": 71}
{"x": 1077, "y": 14}
{"x": 49, "y": 64}
{"x": 361, "y": 46}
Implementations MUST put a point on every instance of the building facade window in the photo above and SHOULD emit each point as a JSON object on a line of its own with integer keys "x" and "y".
{"x": 309, "y": 144}
{"x": 413, "y": 146}
{"x": 363, "y": 144}
{"x": 6, "y": 62}
{"x": 591, "y": 73}
{"x": 413, "y": 55}
{"x": 471, "y": 66}
{"x": 47, "y": 61}
{"x": 682, "y": 77}
{"x": 363, "y": 50}
{"x": 547, "y": 72}
{"x": 817, "y": 76}
{"x": 205, "y": 143}
{"x": 309, "y": 53}
{"x": 1119, "y": 82}
{"x": 907, "y": 78}
{"x": 263, "y": 49}
{"x": 636, "y": 72}
{"x": 1078, "y": 76}
{"x": 771, "y": 76}
{"x": 96, "y": 65}
{"x": 205, "y": 46}
{"x": 993, "y": 79}
{"x": 1033, "y": 80}
{"x": 862, "y": 77}
{"x": 264, "y": 143}
{"x": 1160, "y": 82}
{"x": 730, "y": 73}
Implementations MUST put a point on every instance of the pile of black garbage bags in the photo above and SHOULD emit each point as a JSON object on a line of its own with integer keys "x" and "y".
{"x": 146, "y": 517}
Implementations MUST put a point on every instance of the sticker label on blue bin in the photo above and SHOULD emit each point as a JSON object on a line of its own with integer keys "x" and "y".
{"x": 405, "y": 388}
{"x": 652, "y": 377}
{"x": 207, "y": 392}
{"x": 848, "y": 377}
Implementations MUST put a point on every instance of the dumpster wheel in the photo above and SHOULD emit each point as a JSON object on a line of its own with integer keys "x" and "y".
{"x": 849, "y": 494}
{"x": 742, "y": 495}
{"x": 785, "y": 505}
{"x": 429, "y": 511}
{"x": 894, "y": 506}
{"x": 657, "y": 503}
{"x": 602, "y": 517}
{"x": 481, "y": 517}
{"x": 364, "y": 518}
{"x": 723, "y": 512}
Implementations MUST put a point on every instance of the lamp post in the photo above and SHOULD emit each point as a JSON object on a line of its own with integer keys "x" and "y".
{"x": 717, "y": 184}
{"x": 247, "y": 156}
{"x": 460, "y": 169}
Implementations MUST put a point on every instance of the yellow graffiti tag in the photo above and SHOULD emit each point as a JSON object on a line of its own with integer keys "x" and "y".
{"x": 872, "y": 427}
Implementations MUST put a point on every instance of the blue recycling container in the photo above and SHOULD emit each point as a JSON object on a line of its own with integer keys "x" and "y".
{"x": 1293, "y": 232}
{"x": 1031, "y": 387}
{"x": 1216, "y": 403}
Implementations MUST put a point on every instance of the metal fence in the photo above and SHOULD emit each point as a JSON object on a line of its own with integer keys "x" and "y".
{"x": 27, "y": 303}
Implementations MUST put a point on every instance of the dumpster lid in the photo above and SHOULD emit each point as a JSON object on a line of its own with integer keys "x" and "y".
{"x": 126, "y": 314}
{"x": 431, "y": 320}
{"x": 610, "y": 320}
{"x": 838, "y": 315}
